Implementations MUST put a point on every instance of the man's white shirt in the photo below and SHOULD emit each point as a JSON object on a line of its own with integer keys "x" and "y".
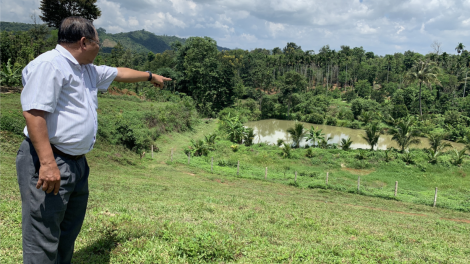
{"x": 57, "y": 84}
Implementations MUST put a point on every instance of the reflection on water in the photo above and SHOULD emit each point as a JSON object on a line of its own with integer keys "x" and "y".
{"x": 270, "y": 130}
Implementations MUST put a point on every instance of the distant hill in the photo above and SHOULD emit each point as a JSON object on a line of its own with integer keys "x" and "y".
{"x": 137, "y": 41}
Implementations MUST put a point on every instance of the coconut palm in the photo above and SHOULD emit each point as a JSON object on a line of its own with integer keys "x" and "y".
{"x": 367, "y": 116}
{"x": 423, "y": 72}
{"x": 404, "y": 133}
{"x": 297, "y": 132}
{"x": 286, "y": 151}
{"x": 465, "y": 140}
{"x": 459, "y": 48}
{"x": 314, "y": 135}
{"x": 436, "y": 142}
{"x": 437, "y": 146}
{"x": 458, "y": 157}
{"x": 323, "y": 142}
{"x": 372, "y": 135}
{"x": 346, "y": 144}
{"x": 248, "y": 136}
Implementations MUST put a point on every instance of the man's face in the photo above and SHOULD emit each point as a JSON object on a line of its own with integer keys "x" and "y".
{"x": 93, "y": 48}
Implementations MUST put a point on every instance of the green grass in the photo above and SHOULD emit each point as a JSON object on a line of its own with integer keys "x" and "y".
{"x": 416, "y": 182}
{"x": 156, "y": 211}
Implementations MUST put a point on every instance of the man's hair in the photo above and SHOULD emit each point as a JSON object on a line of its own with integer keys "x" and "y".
{"x": 73, "y": 28}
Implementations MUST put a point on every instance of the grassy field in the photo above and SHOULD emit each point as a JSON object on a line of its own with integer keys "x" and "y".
{"x": 156, "y": 211}
{"x": 416, "y": 182}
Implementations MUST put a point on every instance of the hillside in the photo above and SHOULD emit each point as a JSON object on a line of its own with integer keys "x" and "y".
{"x": 155, "y": 210}
{"x": 137, "y": 41}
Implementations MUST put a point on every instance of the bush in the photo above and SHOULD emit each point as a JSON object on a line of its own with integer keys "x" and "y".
{"x": 360, "y": 105}
{"x": 331, "y": 121}
{"x": 355, "y": 124}
{"x": 314, "y": 119}
{"x": 399, "y": 111}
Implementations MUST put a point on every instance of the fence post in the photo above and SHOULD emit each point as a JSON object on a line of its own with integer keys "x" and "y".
{"x": 266, "y": 173}
{"x": 435, "y": 198}
{"x": 358, "y": 183}
{"x": 295, "y": 180}
{"x": 152, "y": 151}
{"x": 212, "y": 163}
{"x": 238, "y": 168}
{"x": 189, "y": 157}
{"x": 327, "y": 178}
{"x": 396, "y": 188}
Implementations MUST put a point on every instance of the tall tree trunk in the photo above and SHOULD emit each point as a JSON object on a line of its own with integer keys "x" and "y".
{"x": 346, "y": 80}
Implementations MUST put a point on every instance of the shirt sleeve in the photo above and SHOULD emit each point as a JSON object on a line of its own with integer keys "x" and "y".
{"x": 42, "y": 84}
{"x": 105, "y": 76}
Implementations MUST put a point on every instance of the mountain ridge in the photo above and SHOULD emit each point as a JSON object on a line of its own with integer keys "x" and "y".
{"x": 140, "y": 41}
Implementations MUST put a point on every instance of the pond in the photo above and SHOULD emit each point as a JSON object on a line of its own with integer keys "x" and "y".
{"x": 270, "y": 130}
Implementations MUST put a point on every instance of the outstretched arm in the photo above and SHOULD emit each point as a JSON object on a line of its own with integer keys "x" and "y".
{"x": 130, "y": 76}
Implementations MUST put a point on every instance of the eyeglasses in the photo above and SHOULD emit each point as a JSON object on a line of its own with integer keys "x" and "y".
{"x": 100, "y": 44}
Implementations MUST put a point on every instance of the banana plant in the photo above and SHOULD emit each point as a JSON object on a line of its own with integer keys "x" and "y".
{"x": 10, "y": 75}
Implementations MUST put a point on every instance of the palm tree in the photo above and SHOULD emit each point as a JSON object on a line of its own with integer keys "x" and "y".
{"x": 437, "y": 146}
{"x": 459, "y": 48}
{"x": 404, "y": 133}
{"x": 465, "y": 140}
{"x": 424, "y": 72}
{"x": 297, "y": 132}
{"x": 286, "y": 151}
{"x": 458, "y": 157}
{"x": 367, "y": 116}
{"x": 372, "y": 135}
{"x": 346, "y": 144}
{"x": 314, "y": 135}
{"x": 248, "y": 136}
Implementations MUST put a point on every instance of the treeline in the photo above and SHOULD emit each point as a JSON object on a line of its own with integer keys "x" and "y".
{"x": 291, "y": 83}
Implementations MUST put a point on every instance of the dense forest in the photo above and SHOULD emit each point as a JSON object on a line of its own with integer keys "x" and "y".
{"x": 286, "y": 83}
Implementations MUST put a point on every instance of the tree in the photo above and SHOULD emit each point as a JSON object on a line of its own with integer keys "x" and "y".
{"x": 297, "y": 132}
{"x": 314, "y": 135}
{"x": 372, "y": 135}
{"x": 437, "y": 146}
{"x": 459, "y": 48}
{"x": 206, "y": 75}
{"x": 423, "y": 72}
{"x": 54, "y": 11}
{"x": 293, "y": 82}
{"x": 404, "y": 133}
{"x": 346, "y": 143}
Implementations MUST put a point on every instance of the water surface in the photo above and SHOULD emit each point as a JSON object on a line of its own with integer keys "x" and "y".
{"x": 270, "y": 130}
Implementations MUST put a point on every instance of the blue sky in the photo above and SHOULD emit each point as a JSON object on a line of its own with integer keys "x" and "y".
{"x": 382, "y": 26}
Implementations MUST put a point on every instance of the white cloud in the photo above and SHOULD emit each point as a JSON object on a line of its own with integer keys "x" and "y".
{"x": 248, "y": 37}
{"x": 274, "y": 28}
{"x": 379, "y": 26}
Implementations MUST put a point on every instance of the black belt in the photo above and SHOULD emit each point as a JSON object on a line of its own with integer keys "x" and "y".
{"x": 60, "y": 153}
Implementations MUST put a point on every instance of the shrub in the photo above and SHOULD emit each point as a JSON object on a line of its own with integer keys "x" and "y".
{"x": 355, "y": 125}
{"x": 399, "y": 111}
{"x": 314, "y": 118}
{"x": 331, "y": 121}
{"x": 309, "y": 153}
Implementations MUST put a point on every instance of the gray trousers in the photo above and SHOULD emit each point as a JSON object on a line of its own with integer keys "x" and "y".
{"x": 51, "y": 223}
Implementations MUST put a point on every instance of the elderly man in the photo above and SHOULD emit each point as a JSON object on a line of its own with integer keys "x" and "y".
{"x": 59, "y": 102}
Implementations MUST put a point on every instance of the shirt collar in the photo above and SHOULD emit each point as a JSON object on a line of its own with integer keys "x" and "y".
{"x": 66, "y": 54}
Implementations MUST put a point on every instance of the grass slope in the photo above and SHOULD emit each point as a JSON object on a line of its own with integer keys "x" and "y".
{"x": 156, "y": 211}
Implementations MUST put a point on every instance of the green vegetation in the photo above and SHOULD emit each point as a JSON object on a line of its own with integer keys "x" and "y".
{"x": 154, "y": 210}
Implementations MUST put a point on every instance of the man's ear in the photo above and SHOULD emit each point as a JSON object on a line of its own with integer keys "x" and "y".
{"x": 82, "y": 42}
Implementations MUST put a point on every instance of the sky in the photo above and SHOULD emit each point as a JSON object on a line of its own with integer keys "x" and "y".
{"x": 381, "y": 26}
